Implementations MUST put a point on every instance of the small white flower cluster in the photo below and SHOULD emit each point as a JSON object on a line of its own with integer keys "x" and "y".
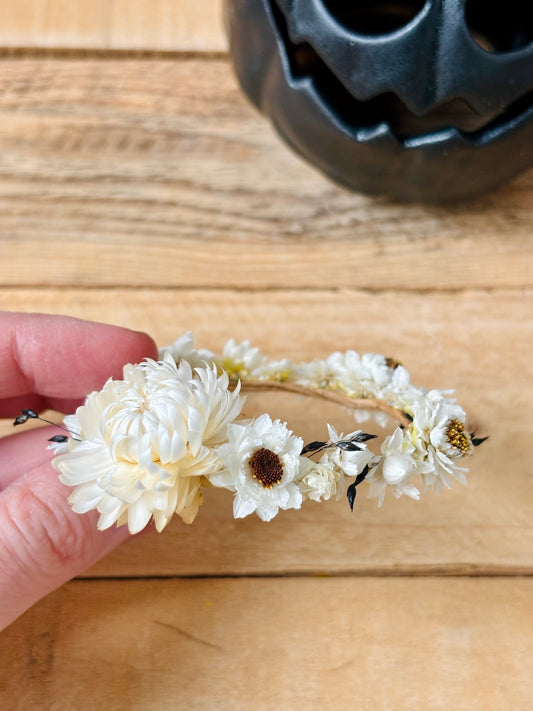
{"x": 146, "y": 446}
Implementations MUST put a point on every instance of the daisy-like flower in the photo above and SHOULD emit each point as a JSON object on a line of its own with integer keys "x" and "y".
{"x": 262, "y": 465}
{"x": 438, "y": 433}
{"x": 394, "y": 468}
{"x": 144, "y": 445}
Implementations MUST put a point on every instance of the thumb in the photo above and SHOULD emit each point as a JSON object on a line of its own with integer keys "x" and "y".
{"x": 43, "y": 543}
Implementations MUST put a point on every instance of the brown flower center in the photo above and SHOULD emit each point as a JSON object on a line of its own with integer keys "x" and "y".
{"x": 392, "y": 363}
{"x": 266, "y": 467}
{"x": 457, "y": 437}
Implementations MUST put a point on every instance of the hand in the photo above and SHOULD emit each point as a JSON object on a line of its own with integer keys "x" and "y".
{"x": 49, "y": 362}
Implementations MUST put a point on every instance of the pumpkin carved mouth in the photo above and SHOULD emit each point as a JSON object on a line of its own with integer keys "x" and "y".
{"x": 364, "y": 118}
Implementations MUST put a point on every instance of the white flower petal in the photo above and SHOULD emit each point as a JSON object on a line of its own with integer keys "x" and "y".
{"x": 146, "y": 442}
{"x": 252, "y": 494}
{"x": 138, "y": 515}
{"x": 242, "y": 507}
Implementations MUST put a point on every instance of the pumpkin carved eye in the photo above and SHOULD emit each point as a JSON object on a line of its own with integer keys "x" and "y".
{"x": 500, "y": 26}
{"x": 373, "y": 17}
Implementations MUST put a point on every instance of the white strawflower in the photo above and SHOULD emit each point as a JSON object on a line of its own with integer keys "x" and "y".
{"x": 360, "y": 376}
{"x": 243, "y": 362}
{"x": 316, "y": 374}
{"x": 326, "y": 478}
{"x": 351, "y": 462}
{"x": 394, "y": 468}
{"x": 273, "y": 371}
{"x": 144, "y": 444}
{"x": 262, "y": 463}
{"x": 240, "y": 359}
{"x": 363, "y": 376}
{"x": 438, "y": 433}
{"x": 184, "y": 349}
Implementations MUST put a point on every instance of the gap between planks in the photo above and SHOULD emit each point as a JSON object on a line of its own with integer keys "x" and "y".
{"x": 104, "y": 54}
{"x": 457, "y": 572}
{"x": 236, "y": 290}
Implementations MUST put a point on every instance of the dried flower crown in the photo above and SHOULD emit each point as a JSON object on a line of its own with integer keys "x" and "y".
{"x": 148, "y": 445}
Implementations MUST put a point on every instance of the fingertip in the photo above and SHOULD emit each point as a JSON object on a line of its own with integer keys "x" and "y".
{"x": 135, "y": 346}
{"x": 63, "y": 357}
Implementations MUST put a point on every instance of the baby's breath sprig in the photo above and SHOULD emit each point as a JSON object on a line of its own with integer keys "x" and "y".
{"x": 147, "y": 446}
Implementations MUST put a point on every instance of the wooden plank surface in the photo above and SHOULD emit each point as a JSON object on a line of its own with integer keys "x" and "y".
{"x": 155, "y": 25}
{"x": 480, "y": 343}
{"x": 159, "y": 172}
{"x": 269, "y": 645}
{"x": 138, "y": 186}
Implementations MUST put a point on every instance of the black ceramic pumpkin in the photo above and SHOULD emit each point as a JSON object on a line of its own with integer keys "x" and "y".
{"x": 421, "y": 100}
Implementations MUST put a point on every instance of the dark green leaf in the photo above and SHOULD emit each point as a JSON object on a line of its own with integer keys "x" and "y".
{"x": 348, "y": 446}
{"x": 313, "y": 447}
{"x": 30, "y": 414}
{"x": 360, "y": 477}
{"x": 363, "y": 437}
{"x": 476, "y": 441}
{"x": 351, "y": 493}
{"x": 58, "y": 438}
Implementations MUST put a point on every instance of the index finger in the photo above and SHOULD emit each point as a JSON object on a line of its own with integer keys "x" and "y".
{"x": 63, "y": 358}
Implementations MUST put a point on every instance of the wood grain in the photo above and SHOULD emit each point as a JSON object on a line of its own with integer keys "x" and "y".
{"x": 478, "y": 343}
{"x": 155, "y": 25}
{"x": 302, "y": 645}
{"x": 119, "y": 173}
{"x": 138, "y": 186}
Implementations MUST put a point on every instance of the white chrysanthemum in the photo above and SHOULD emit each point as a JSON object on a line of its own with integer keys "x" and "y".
{"x": 262, "y": 463}
{"x": 184, "y": 349}
{"x": 143, "y": 444}
{"x": 394, "y": 468}
{"x": 438, "y": 433}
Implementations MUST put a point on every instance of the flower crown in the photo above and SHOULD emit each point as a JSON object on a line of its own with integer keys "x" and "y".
{"x": 149, "y": 444}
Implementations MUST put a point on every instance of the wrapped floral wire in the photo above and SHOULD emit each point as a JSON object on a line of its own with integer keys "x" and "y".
{"x": 147, "y": 446}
